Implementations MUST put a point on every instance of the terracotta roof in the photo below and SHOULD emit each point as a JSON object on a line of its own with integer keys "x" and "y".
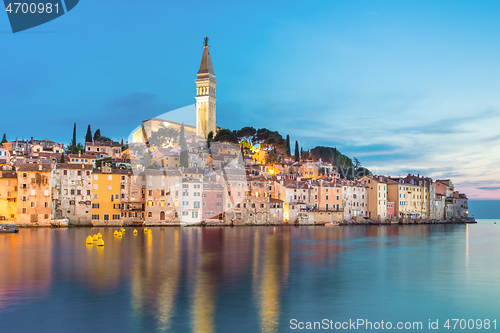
{"x": 8, "y": 174}
{"x": 74, "y": 166}
{"x": 81, "y": 156}
{"x": 35, "y": 167}
{"x": 103, "y": 143}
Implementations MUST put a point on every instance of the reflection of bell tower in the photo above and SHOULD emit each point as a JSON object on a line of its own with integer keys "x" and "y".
{"x": 205, "y": 95}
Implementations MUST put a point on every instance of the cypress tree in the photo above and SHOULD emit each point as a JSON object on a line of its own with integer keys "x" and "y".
{"x": 210, "y": 138}
{"x": 97, "y": 135}
{"x": 4, "y": 139}
{"x": 73, "y": 142}
{"x": 184, "y": 158}
{"x": 62, "y": 158}
{"x": 288, "y": 149}
{"x": 335, "y": 157}
{"x": 88, "y": 136}
{"x": 297, "y": 157}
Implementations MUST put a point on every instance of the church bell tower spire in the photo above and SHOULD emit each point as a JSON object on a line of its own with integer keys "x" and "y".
{"x": 205, "y": 95}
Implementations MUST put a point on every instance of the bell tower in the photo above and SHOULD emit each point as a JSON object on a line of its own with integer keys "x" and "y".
{"x": 205, "y": 95}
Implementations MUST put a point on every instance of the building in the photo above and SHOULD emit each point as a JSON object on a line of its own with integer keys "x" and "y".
{"x": 8, "y": 196}
{"x": 34, "y": 193}
{"x": 162, "y": 196}
{"x": 106, "y": 189}
{"x": 410, "y": 197}
{"x": 73, "y": 193}
{"x": 212, "y": 198}
{"x": 104, "y": 149}
{"x": 191, "y": 200}
{"x": 390, "y": 210}
{"x": 133, "y": 198}
{"x": 377, "y": 189}
{"x": 355, "y": 199}
{"x": 81, "y": 158}
{"x": 205, "y": 95}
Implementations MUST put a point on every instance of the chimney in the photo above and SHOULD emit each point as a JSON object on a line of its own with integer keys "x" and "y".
{"x": 40, "y": 166}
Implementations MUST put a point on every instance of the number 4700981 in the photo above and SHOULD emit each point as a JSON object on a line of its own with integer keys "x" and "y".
{"x": 25, "y": 8}
{"x": 470, "y": 324}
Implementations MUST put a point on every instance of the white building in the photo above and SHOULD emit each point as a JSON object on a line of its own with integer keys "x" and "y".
{"x": 191, "y": 200}
{"x": 355, "y": 199}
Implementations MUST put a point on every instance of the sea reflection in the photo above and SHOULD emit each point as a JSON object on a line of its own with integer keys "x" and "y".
{"x": 211, "y": 279}
{"x": 25, "y": 266}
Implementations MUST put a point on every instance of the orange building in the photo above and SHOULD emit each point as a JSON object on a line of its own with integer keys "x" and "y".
{"x": 106, "y": 188}
{"x": 34, "y": 193}
{"x": 8, "y": 196}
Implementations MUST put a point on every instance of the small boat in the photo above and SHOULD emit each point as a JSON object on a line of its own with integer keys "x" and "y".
{"x": 9, "y": 229}
{"x": 332, "y": 224}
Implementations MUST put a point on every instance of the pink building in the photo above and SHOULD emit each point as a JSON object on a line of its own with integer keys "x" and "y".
{"x": 390, "y": 210}
{"x": 212, "y": 200}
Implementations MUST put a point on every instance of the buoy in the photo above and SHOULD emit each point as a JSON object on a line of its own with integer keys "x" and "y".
{"x": 100, "y": 242}
{"x": 89, "y": 240}
{"x": 145, "y": 230}
{"x": 119, "y": 234}
{"x": 99, "y": 235}
{"x": 94, "y": 238}
{"x": 123, "y": 230}
{"x": 135, "y": 231}
{"x": 116, "y": 233}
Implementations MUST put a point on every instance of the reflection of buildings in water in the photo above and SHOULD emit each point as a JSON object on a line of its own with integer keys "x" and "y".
{"x": 210, "y": 245}
{"x": 155, "y": 272}
{"x": 170, "y": 271}
{"x": 203, "y": 307}
{"x": 267, "y": 278}
{"x": 25, "y": 263}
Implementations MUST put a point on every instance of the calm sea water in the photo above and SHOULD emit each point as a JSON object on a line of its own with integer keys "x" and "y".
{"x": 247, "y": 279}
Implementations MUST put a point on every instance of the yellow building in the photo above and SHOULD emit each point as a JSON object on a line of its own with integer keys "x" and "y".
{"x": 377, "y": 197}
{"x": 81, "y": 159}
{"x": 8, "y": 196}
{"x": 106, "y": 198}
{"x": 34, "y": 193}
{"x": 410, "y": 198}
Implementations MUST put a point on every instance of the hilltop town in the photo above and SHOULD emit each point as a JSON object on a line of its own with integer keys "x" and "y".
{"x": 170, "y": 173}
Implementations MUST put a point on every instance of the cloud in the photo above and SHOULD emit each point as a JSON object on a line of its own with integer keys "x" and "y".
{"x": 490, "y": 188}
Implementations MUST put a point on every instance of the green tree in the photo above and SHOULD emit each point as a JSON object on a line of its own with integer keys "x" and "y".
{"x": 246, "y": 133}
{"x": 225, "y": 135}
{"x": 163, "y": 138}
{"x": 288, "y": 152}
{"x": 297, "y": 156}
{"x": 184, "y": 155}
{"x": 88, "y": 136}
{"x": 4, "y": 139}
{"x": 210, "y": 138}
{"x": 62, "y": 158}
{"x": 97, "y": 135}
{"x": 73, "y": 141}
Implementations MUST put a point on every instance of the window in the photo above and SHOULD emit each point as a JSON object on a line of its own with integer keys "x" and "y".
{"x": 23, "y": 211}
{"x": 196, "y": 204}
{"x": 95, "y": 186}
{"x": 95, "y": 216}
{"x": 95, "y": 177}
{"x": 162, "y": 203}
{"x": 116, "y": 216}
{"x": 33, "y": 204}
{"x": 106, "y": 217}
{"x": 185, "y": 203}
{"x": 65, "y": 172}
{"x": 109, "y": 188}
{"x": 194, "y": 215}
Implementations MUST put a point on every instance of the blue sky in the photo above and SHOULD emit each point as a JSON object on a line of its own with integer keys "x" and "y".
{"x": 403, "y": 86}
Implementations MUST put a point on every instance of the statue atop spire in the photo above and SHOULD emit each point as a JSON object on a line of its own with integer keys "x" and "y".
{"x": 205, "y": 41}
